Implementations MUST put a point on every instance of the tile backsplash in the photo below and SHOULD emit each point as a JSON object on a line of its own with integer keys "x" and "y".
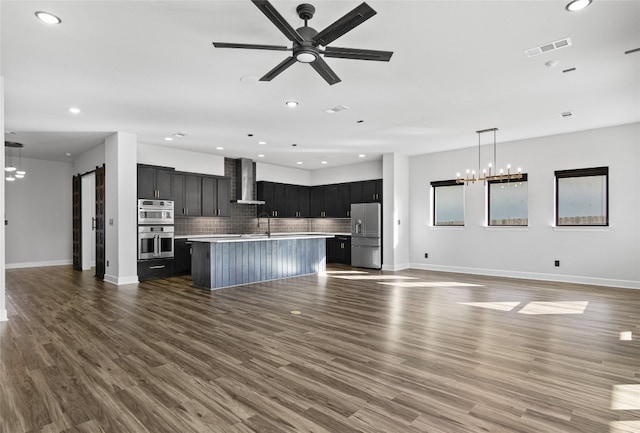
{"x": 243, "y": 218}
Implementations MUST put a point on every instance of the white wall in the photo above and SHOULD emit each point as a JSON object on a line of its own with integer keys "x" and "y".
{"x": 608, "y": 256}
{"x": 89, "y": 160}
{"x": 38, "y": 211}
{"x": 277, "y": 173}
{"x": 181, "y": 160}
{"x": 395, "y": 212}
{"x": 347, "y": 173}
{"x": 3, "y": 310}
{"x": 120, "y": 209}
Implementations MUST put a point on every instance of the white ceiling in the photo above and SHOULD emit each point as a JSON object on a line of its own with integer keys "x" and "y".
{"x": 149, "y": 68}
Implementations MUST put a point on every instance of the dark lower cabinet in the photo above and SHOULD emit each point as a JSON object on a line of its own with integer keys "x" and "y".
{"x": 153, "y": 269}
{"x": 182, "y": 257}
{"x": 339, "y": 250}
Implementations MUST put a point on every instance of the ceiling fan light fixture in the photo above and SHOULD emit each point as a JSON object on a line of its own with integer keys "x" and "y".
{"x": 292, "y": 104}
{"x": 306, "y": 57}
{"x": 577, "y": 5}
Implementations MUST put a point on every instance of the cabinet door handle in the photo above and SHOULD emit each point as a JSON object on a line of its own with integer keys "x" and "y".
{"x": 157, "y": 267}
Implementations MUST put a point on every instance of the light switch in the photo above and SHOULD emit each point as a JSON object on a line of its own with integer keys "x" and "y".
{"x": 110, "y": 221}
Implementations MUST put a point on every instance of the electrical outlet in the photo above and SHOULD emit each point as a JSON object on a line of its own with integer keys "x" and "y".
{"x": 426, "y": 255}
{"x": 556, "y": 263}
{"x": 107, "y": 263}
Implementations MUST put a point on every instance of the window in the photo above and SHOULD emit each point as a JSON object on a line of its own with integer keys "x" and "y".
{"x": 508, "y": 202}
{"x": 448, "y": 203}
{"x": 582, "y": 197}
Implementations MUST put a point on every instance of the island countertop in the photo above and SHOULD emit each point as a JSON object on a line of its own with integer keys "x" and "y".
{"x": 259, "y": 237}
{"x": 196, "y": 238}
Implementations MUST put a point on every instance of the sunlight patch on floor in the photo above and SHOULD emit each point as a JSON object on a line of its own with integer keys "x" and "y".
{"x": 557, "y": 307}
{"x": 374, "y": 277}
{"x": 431, "y": 284}
{"x": 500, "y": 306}
{"x": 344, "y": 272}
{"x": 625, "y": 397}
{"x": 624, "y": 427}
{"x": 626, "y": 336}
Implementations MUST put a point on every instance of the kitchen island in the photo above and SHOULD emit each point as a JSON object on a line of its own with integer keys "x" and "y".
{"x": 219, "y": 262}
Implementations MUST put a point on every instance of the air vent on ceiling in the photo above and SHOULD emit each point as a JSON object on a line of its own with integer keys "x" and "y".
{"x": 551, "y": 46}
{"x": 336, "y": 109}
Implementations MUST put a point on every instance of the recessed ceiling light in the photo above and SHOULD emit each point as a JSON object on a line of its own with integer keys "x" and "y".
{"x": 180, "y": 134}
{"x": 219, "y": 148}
{"x": 168, "y": 138}
{"x": 299, "y": 162}
{"x": 323, "y": 162}
{"x": 362, "y": 155}
{"x": 551, "y": 63}
{"x": 566, "y": 114}
{"x": 294, "y": 145}
{"x": 568, "y": 70}
{"x": 262, "y": 142}
{"x": 261, "y": 156}
{"x": 74, "y": 110}
{"x": 577, "y": 5}
{"x": 68, "y": 154}
{"x": 292, "y": 104}
{"x": 359, "y": 121}
{"x": 47, "y": 17}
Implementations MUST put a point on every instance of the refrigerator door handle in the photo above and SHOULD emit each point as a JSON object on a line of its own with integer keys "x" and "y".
{"x": 358, "y": 227}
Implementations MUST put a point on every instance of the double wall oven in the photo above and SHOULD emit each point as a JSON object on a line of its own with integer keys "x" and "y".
{"x": 155, "y": 229}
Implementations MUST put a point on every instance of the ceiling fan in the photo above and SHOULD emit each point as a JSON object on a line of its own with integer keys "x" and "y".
{"x": 310, "y": 45}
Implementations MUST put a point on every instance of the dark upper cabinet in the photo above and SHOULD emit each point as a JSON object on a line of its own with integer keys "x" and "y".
{"x": 344, "y": 200}
{"x": 215, "y": 196}
{"x": 321, "y": 201}
{"x": 283, "y": 200}
{"x": 372, "y": 191}
{"x": 316, "y": 201}
{"x": 155, "y": 182}
{"x": 187, "y": 190}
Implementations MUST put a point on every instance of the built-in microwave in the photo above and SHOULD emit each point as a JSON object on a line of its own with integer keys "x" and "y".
{"x": 155, "y": 211}
{"x": 155, "y": 242}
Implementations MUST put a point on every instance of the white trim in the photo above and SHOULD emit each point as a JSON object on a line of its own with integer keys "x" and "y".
{"x": 38, "y": 264}
{"x": 120, "y": 281}
{"x": 3, "y": 316}
{"x": 594, "y": 281}
{"x": 394, "y": 268}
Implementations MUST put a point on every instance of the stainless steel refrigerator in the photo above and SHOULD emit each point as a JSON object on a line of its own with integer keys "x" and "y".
{"x": 366, "y": 235}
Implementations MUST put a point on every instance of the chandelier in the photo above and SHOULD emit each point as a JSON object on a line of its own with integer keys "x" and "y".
{"x": 12, "y": 171}
{"x": 489, "y": 173}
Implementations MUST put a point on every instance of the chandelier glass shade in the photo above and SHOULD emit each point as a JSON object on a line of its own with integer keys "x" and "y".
{"x": 13, "y": 172}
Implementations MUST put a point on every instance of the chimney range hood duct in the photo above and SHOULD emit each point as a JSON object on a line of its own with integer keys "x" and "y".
{"x": 245, "y": 182}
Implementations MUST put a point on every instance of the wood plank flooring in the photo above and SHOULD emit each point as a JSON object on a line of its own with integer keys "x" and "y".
{"x": 411, "y": 351}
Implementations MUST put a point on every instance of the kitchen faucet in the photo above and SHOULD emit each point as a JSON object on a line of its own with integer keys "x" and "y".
{"x": 264, "y": 214}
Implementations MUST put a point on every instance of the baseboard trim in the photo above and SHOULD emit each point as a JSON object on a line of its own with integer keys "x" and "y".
{"x": 38, "y": 264}
{"x": 120, "y": 281}
{"x": 592, "y": 281}
{"x": 394, "y": 268}
{"x": 3, "y": 316}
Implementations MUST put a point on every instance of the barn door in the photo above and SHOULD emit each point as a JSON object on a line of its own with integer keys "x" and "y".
{"x": 77, "y": 222}
{"x": 100, "y": 222}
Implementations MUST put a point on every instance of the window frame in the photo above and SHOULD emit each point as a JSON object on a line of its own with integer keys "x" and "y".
{"x": 582, "y": 172}
{"x": 444, "y": 183}
{"x": 525, "y": 178}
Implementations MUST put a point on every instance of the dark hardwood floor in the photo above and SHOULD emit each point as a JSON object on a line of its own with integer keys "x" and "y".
{"x": 408, "y": 352}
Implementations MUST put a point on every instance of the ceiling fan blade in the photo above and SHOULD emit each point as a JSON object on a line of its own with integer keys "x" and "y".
{"x": 325, "y": 71}
{"x": 278, "y": 69}
{"x": 348, "y": 22}
{"x": 277, "y": 19}
{"x": 358, "y": 54}
{"x": 250, "y": 46}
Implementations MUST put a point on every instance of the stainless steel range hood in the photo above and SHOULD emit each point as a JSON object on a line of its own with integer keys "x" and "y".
{"x": 245, "y": 182}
